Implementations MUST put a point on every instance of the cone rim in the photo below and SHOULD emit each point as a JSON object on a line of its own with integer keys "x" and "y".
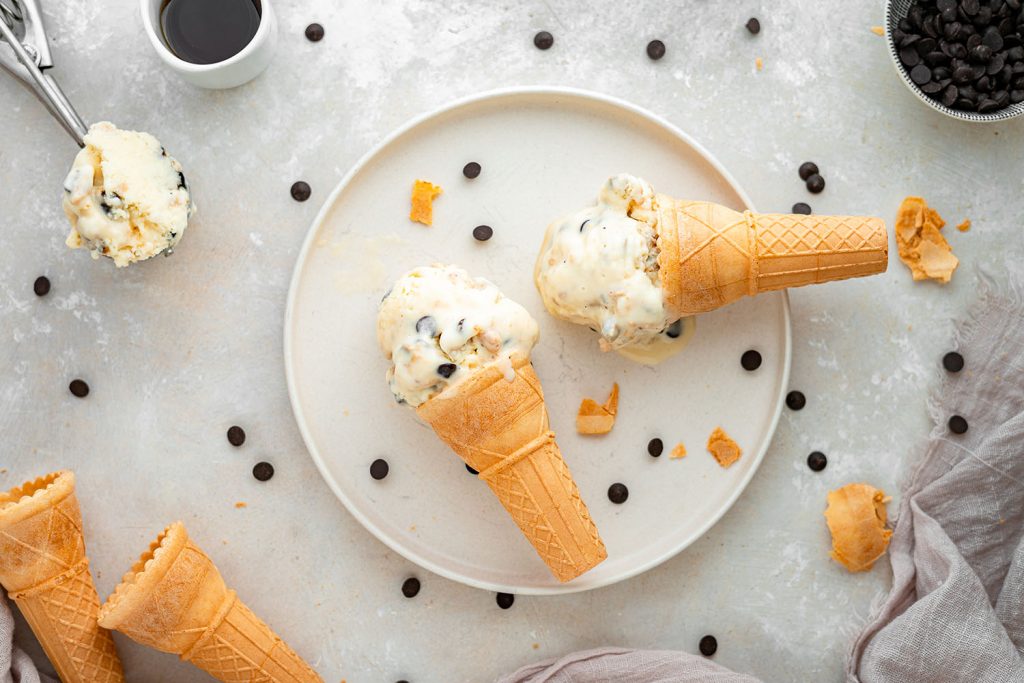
{"x": 35, "y": 496}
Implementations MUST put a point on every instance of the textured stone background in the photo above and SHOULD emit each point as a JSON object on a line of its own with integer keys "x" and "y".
{"x": 181, "y": 348}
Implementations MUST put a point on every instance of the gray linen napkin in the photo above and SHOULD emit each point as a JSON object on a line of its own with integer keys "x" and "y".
{"x": 15, "y": 666}
{"x": 627, "y": 666}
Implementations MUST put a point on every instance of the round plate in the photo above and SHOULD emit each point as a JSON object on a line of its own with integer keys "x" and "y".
{"x": 544, "y": 152}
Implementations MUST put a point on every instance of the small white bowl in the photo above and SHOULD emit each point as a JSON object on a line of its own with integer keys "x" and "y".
{"x": 234, "y": 71}
{"x": 896, "y": 10}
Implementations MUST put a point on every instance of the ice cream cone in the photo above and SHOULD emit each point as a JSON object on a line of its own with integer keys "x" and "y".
{"x": 501, "y": 429}
{"x": 45, "y": 570}
{"x": 174, "y": 599}
{"x": 711, "y": 255}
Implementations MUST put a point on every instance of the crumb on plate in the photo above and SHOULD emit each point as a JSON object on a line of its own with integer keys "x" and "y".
{"x": 678, "y": 452}
{"x": 423, "y": 194}
{"x": 598, "y": 419}
{"x": 856, "y": 519}
{"x": 878, "y": 30}
{"x": 759, "y": 63}
{"x": 965, "y": 225}
{"x": 921, "y": 246}
{"x": 725, "y": 450}
{"x": 240, "y": 504}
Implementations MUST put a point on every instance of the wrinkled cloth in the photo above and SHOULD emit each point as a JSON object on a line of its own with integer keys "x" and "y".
{"x": 627, "y": 666}
{"x": 15, "y": 665}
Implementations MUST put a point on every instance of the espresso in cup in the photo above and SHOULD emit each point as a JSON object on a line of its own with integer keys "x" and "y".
{"x": 209, "y": 31}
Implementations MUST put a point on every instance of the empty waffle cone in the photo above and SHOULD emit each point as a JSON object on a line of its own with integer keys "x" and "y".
{"x": 45, "y": 570}
{"x": 711, "y": 255}
{"x": 174, "y": 599}
{"x": 501, "y": 429}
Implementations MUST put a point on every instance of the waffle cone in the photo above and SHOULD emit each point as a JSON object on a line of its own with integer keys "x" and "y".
{"x": 711, "y": 255}
{"x": 501, "y": 429}
{"x": 174, "y": 599}
{"x": 45, "y": 570}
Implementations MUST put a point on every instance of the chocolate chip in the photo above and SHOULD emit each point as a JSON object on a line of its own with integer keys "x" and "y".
{"x": 987, "y": 105}
{"x": 992, "y": 39}
{"x": 655, "y": 447}
{"x": 920, "y": 74}
{"x": 655, "y": 50}
{"x": 753, "y": 25}
{"x": 949, "y": 95}
{"x": 446, "y": 370}
{"x": 970, "y": 7}
{"x": 962, "y": 75}
{"x": 980, "y": 53}
{"x": 931, "y": 87}
{"x": 504, "y": 600}
{"x": 926, "y": 45}
{"x": 471, "y": 470}
{"x": 379, "y": 469}
{"x": 471, "y": 170}
{"x": 795, "y": 400}
{"x": 78, "y": 388}
{"x": 807, "y": 169}
{"x": 301, "y": 191}
{"x": 953, "y": 362}
{"x": 1016, "y": 96}
{"x": 674, "y": 330}
{"x": 957, "y": 424}
{"x": 263, "y": 471}
{"x": 426, "y": 326}
{"x": 236, "y": 436}
{"x": 618, "y": 493}
{"x": 543, "y": 40}
{"x": 708, "y": 646}
{"x": 411, "y": 587}
{"x": 41, "y": 286}
{"x": 995, "y": 65}
{"x": 802, "y": 208}
{"x": 817, "y": 461}
{"x": 815, "y": 184}
{"x": 910, "y": 57}
{"x": 482, "y": 233}
{"x": 750, "y": 360}
{"x": 315, "y": 33}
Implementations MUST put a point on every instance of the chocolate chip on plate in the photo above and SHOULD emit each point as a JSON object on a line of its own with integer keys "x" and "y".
{"x": 655, "y": 50}
{"x": 236, "y": 436}
{"x": 750, "y": 360}
{"x": 795, "y": 400}
{"x": 504, "y": 600}
{"x": 675, "y": 330}
{"x": 708, "y": 646}
{"x": 618, "y": 493}
{"x": 543, "y": 40}
{"x": 482, "y": 233}
{"x": 446, "y": 370}
{"x": 957, "y": 424}
{"x": 411, "y": 587}
{"x": 379, "y": 469}
{"x": 263, "y": 471}
{"x": 802, "y": 208}
{"x": 953, "y": 362}
{"x": 78, "y": 388}
{"x": 753, "y": 25}
{"x": 807, "y": 169}
{"x": 816, "y": 183}
{"x": 655, "y": 447}
{"x": 41, "y": 286}
{"x": 315, "y": 33}
{"x": 301, "y": 191}
{"x": 471, "y": 470}
{"x": 471, "y": 170}
{"x": 817, "y": 461}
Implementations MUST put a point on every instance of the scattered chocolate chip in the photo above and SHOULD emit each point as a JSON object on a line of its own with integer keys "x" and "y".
{"x": 41, "y": 286}
{"x": 504, "y": 600}
{"x": 236, "y": 436}
{"x": 708, "y": 646}
{"x": 543, "y": 40}
{"x": 301, "y": 191}
{"x": 411, "y": 587}
{"x": 816, "y": 183}
{"x": 263, "y": 471}
{"x": 675, "y": 330}
{"x": 817, "y": 461}
{"x": 482, "y": 233}
{"x": 655, "y": 447}
{"x": 379, "y": 469}
{"x": 655, "y": 50}
{"x": 446, "y": 370}
{"x": 795, "y": 400}
{"x": 618, "y": 493}
{"x": 472, "y": 471}
{"x": 802, "y": 208}
{"x": 957, "y": 424}
{"x": 807, "y": 169}
{"x": 315, "y": 33}
{"x": 78, "y": 388}
{"x": 753, "y": 25}
{"x": 471, "y": 170}
{"x": 750, "y": 360}
{"x": 953, "y": 362}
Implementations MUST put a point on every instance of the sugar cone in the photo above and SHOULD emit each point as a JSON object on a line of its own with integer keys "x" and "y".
{"x": 711, "y": 255}
{"x": 174, "y": 599}
{"x": 501, "y": 429}
{"x": 45, "y": 570}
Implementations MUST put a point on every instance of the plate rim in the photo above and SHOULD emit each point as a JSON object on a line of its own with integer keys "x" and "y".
{"x": 289, "y": 327}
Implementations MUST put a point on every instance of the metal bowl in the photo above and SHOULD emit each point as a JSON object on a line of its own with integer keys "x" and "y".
{"x": 896, "y": 10}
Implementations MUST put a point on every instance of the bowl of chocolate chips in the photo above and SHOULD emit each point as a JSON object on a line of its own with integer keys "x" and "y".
{"x": 964, "y": 58}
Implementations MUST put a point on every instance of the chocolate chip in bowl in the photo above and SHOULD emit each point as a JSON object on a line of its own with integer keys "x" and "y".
{"x": 964, "y": 58}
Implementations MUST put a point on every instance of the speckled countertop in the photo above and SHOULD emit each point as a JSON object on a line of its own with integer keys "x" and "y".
{"x": 179, "y": 349}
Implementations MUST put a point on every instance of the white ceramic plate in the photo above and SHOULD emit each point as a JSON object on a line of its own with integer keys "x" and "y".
{"x": 544, "y": 152}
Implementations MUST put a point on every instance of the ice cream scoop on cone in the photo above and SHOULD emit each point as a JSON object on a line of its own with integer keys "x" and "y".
{"x": 44, "y": 567}
{"x": 174, "y": 599}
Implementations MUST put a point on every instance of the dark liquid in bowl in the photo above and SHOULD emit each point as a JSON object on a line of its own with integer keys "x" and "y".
{"x": 209, "y": 31}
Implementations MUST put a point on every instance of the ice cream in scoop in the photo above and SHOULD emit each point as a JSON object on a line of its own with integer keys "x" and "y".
{"x": 126, "y": 198}
{"x": 438, "y": 324}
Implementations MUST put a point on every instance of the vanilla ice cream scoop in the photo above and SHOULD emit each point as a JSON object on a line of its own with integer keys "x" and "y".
{"x": 599, "y": 267}
{"x": 126, "y": 198}
{"x": 438, "y": 324}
